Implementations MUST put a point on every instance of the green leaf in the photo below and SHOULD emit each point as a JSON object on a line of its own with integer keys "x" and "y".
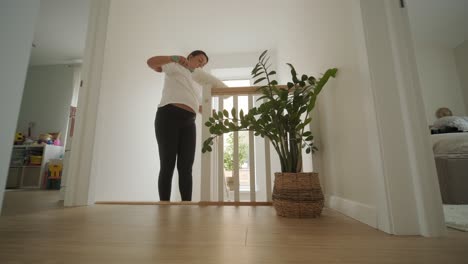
{"x": 295, "y": 80}
{"x": 283, "y": 94}
{"x": 271, "y": 73}
{"x": 258, "y": 74}
{"x": 311, "y": 103}
{"x": 232, "y": 126}
{"x": 225, "y": 113}
{"x": 293, "y": 73}
{"x": 207, "y": 124}
{"x": 256, "y": 69}
{"x": 259, "y": 80}
{"x": 263, "y": 54}
{"x": 234, "y": 113}
{"x": 321, "y": 83}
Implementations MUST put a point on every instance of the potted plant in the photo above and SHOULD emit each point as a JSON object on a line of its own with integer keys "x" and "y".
{"x": 282, "y": 118}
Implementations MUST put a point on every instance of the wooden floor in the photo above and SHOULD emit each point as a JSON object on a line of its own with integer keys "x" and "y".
{"x": 18, "y": 202}
{"x": 207, "y": 234}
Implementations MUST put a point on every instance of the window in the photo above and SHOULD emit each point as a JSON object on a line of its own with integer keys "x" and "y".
{"x": 244, "y": 168}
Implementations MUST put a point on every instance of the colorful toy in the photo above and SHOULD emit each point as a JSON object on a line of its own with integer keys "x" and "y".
{"x": 19, "y": 138}
{"x": 54, "y": 175}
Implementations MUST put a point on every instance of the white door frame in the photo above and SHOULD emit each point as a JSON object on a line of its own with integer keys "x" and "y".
{"x": 80, "y": 184}
{"x": 409, "y": 186}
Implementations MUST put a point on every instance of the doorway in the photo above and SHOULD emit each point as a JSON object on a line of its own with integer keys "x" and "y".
{"x": 440, "y": 41}
{"x": 37, "y": 167}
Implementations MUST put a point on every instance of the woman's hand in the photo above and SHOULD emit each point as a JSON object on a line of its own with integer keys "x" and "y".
{"x": 182, "y": 61}
{"x": 157, "y": 62}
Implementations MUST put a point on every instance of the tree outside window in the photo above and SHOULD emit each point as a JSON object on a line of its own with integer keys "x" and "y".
{"x": 229, "y": 151}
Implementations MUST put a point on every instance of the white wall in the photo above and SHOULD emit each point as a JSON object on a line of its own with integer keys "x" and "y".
{"x": 461, "y": 59}
{"x": 46, "y": 99}
{"x": 313, "y": 35}
{"x": 17, "y": 19}
{"x": 347, "y": 141}
{"x": 440, "y": 82}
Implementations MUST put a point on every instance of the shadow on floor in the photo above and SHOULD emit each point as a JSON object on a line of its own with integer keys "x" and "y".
{"x": 18, "y": 202}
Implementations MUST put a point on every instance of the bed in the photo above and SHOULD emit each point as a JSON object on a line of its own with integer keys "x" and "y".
{"x": 451, "y": 158}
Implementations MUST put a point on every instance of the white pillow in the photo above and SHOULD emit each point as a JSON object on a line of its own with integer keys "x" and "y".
{"x": 206, "y": 79}
{"x": 461, "y": 123}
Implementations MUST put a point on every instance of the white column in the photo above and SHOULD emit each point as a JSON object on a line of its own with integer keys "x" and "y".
{"x": 252, "y": 157}
{"x": 235, "y": 155}
{"x": 205, "y": 182}
{"x": 220, "y": 174}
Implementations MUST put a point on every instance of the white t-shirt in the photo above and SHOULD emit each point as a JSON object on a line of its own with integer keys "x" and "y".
{"x": 179, "y": 87}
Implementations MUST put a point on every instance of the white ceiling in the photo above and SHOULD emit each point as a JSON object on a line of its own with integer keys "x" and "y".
{"x": 62, "y": 24}
{"x": 60, "y": 32}
{"x": 441, "y": 22}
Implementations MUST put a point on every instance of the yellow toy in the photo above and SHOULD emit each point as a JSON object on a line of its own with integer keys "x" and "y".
{"x": 55, "y": 171}
{"x": 19, "y": 138}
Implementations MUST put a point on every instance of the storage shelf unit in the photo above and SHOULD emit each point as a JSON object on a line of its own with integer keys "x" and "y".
{"x": 22, "y": 173}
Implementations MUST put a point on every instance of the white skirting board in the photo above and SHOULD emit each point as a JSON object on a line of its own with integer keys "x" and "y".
{"x": 361, "y": 212}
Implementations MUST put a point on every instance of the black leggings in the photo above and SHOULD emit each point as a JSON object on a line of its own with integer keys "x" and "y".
{"x": 176, "y": 136}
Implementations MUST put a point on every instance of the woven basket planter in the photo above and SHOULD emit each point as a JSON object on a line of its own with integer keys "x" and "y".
{"x": 297, "y": 195}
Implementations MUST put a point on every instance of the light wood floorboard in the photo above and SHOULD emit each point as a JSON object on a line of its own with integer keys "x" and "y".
{"x": 208, "y": 234}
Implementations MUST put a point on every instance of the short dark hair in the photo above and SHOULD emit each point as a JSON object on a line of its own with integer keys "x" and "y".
{"x": 198, "y": 52}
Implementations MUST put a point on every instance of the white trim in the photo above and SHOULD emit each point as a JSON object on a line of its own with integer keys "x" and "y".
{"x": 206, "y": 170}
{"x": 408, "y": 185}
{"x": 384, "y": 221}
{"x": 425, "y": 180}
{"x": 361, "y": 212}
{"x": 80, "y": 190}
